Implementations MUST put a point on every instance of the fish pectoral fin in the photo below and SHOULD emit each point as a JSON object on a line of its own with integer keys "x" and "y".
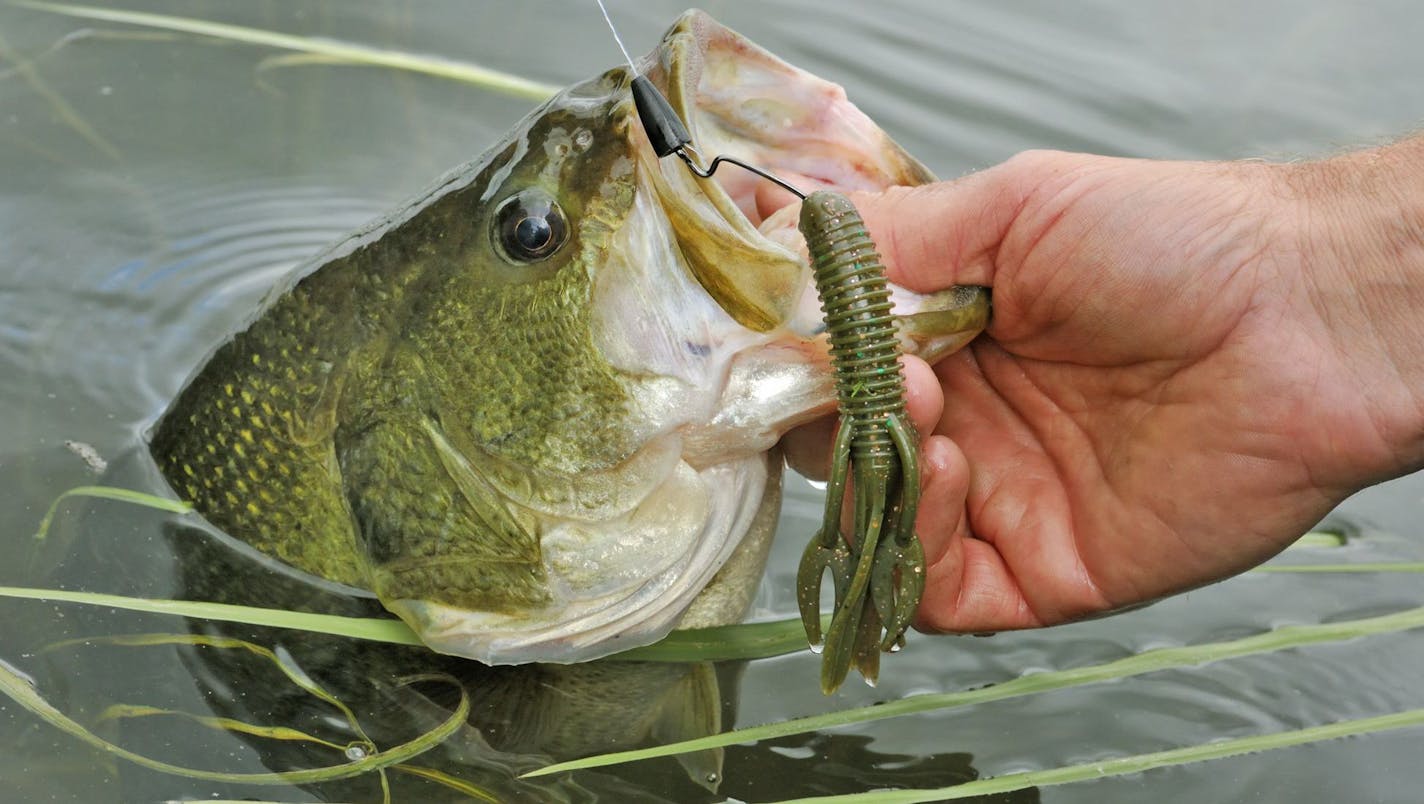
{"x": 483, "y": 503}
{"x": 429, "y": 527}
{"x": 690, "y": 709}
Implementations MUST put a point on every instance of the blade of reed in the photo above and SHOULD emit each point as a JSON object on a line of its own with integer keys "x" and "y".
{"x": 1319, "y": 538}
{"x": 749, "y": 641}
{"x": 130, "y": 496}
{"x": 121, "y": 711}
{"x": 375, "y": 630}
{"x": 331, "y": 48}
{"x": 724, "y": 643}
{"x": 21, "y": 690}
{"x": 1292, "y": 636}
{"x": 1107, "y": 768}
{"x": 1383, "y": 566}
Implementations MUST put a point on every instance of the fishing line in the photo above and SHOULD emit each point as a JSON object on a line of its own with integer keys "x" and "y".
{"x": 666, "y": 131}
{"x": 616, "y": 37}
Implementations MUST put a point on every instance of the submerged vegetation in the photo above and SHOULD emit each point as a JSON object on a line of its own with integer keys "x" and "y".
{"x": 739, "y": 642}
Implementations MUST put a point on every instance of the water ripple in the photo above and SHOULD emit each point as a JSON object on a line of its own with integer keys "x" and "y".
{"x": 131, "y": 333}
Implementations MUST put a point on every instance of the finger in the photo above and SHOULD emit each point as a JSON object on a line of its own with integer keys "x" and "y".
{"x": 808, "y": 448}
{"x": 967, "y": 585}
{"x": 945, "y": 478}
{"x": 924, "y": 398}
{"x": 941, "y": 234}
{"x": 970, "y": 590}
{"x": 1021, "y": 565}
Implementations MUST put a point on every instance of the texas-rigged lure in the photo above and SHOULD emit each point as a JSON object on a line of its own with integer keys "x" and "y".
{"x": 877, "y": 564}
{"x": 878, "y": 568}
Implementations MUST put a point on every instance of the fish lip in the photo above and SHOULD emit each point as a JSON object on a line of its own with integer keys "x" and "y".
{"x": 824, "y": 142}
{"x": 677, "y": 64}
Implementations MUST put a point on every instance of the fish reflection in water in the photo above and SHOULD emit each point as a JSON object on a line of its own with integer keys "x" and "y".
{"x": 521, "y": 717}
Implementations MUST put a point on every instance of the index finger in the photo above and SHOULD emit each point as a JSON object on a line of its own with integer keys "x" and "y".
{"x": 945, "y": 233}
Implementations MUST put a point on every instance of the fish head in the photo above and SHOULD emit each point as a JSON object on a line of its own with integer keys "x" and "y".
{"x": 535, "y": 411}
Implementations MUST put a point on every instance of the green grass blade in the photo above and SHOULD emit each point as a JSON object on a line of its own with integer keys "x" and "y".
{"x": 1293, "y": 636}
{"x": 1319, "y": 538}
{"x": 110, "y": 493}
{"x": 375, "y": 630}
{"x": 19, "y": 689}
{"x": 1383, "y": 566}
{"x": 123, "y": 711}
{"x": 446, "y": 780}
{"x": 293, "y": 673}
{"x": 330, "y": 48}
{"x": 723, "y": 643}
{"x": 1121, "y": 766}
{"x": 751, "y": 641}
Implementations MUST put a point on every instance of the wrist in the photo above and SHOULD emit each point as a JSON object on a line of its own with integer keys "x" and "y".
{"x": 1359, "y": 237}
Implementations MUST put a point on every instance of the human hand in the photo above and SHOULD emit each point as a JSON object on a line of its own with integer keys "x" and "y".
{"x": 1170, "y": 390}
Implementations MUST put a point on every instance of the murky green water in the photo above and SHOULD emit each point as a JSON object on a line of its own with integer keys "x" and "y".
{"x": 154, "y": 185}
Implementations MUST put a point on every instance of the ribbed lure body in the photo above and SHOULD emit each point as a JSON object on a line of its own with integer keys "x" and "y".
{"x": 877, "y": 568}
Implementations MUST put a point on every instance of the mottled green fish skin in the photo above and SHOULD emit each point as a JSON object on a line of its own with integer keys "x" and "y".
{"x": 331, "y": 433}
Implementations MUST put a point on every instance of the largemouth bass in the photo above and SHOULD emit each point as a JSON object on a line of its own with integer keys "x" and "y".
{"x": 535, "y": 411}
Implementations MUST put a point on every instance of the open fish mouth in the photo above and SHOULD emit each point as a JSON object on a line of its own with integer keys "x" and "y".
{"x": 739, "y": 100}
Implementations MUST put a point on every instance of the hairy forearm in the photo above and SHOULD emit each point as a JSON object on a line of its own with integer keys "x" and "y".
{"x": 1360, "y": 236}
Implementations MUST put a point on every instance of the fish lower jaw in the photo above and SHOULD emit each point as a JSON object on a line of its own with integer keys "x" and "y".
{"x": 498, "y": 639}
{"x": 588, "y": 618}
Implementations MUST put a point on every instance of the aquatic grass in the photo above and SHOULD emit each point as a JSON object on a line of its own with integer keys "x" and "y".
{"x": 446, "y": 780}
{"x": 1138, "y": 763}
{"x": 1319, "y": 539}
{"x": 371, "y": 629}
{"x": 139, "y": 498}
{"x": 1286, "y": 637}
{"x": 362, "y": 750}
{"x": 291, "y": 671}
{"x": 723, "y": 643}
{"x": 758, "y": 640}
{"x": 1381, "y": 566}
{"x": 22, "y": 690}
{"x": 123, "y": 711}
{"x": 331, "y": 50}
{"x": 61, "y": 107}
{"x": 743, "y": 641}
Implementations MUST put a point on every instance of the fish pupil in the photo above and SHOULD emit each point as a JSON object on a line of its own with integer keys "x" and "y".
{"x": 530, "y": 226}
{"x": 533, "y": 233}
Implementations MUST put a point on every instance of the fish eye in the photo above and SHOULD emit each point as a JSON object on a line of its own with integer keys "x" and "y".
{"x": 530, "y": 227}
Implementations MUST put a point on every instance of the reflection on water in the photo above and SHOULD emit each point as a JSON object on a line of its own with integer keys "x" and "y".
{"x": 154, "y": 185}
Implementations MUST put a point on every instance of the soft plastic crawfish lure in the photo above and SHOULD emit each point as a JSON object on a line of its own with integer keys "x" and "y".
{"x": 878, "y": 568}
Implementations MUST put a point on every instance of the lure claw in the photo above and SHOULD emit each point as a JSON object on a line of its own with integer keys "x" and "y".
{"x": 814, "y": 562}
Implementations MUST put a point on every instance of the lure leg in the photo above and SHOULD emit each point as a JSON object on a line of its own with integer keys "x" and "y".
{"x": 899, "y": 575}
{"x": 848, "y": 623}
{"x": 827, "y": 550}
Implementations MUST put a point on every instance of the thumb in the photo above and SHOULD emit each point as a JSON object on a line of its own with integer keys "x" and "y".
{"x": 944, "y": 233}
